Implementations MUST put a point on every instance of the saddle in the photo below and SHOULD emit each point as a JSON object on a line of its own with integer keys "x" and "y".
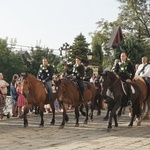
{"x": 86, "y": 85}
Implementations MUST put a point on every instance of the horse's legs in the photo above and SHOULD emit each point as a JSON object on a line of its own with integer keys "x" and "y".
{"x": 115, "y": 119}
{"x": 132, "y": 117}
{"x": 25, "y": 117}
{"x": 26, "y": 108}
{"x": 64, "y": 116}
{"x": 112, "y": 114}
{"x": 147, "y": 115}
{"x": 87, "y": 112}
{"x": 41, "y": 114}
{"x": 77, "y": 116}
{"x": 81, "y": 110}
{"x": 107, "y": 116}
{"x": 53, "y": 113}
{"x": 120, "y": 111}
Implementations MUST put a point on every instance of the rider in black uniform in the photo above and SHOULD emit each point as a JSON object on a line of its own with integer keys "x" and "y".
{"x": 125, "y": 71}
{"x": 78, "y": 74}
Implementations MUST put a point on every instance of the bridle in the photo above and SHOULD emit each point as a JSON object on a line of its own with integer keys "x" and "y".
{"x": 113, "y": 83}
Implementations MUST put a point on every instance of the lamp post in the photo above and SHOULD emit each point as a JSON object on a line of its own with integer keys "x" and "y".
{"x": 65, "y": 47}
{"x": 89, "y": 56}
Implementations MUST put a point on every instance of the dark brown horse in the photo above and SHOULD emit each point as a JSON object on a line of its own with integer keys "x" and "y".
{"x": 68, "y": 92}
{"x": 110, "y": 82}
{"x": 36, "y": 95}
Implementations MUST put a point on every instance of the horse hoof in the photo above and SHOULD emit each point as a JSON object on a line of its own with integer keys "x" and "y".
{"x": 67, "y": 120}
{"x": 109, "y": 129}
{"x": 41, "y": 125}
{"x": 116, "y": 125}
{"x": 25, "y": 125}
{"x": 77, "y": 125}
{"x": 52, "y": 123}
{"x": 98, "y": 114}
{"x": 85, "y": 122}
{"x": 130, "y": 125}
{"x": 92, "y": 120}
{"x": 61, "y": 127}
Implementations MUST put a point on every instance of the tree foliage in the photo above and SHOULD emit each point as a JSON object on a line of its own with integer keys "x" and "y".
{"x": 134, "y": 22}
{"x": 97, "y": 50}
{"x": 79, "y": 48}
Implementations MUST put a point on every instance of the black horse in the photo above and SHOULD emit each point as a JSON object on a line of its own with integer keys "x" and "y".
{"x": 110, "y": 82}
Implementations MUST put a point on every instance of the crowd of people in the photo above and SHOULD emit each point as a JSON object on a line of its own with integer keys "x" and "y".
{"x": 123, "y": 68}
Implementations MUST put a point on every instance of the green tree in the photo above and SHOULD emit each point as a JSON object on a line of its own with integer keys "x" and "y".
{"x": 135, "y": 51}
{"x": 79, "y": 48}
{"x": 134, "y": 18}
{"x": 37, "y": 56}
{"x": 97, "y": 50}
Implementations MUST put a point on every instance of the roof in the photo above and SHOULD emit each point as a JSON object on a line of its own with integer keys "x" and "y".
{"x": 116, "y": 37}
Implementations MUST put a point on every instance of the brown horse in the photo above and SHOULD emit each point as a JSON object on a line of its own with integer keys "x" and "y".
{"x": 145, "y": 97}
{"x": 36, "y": 95}
{"x": 68, "y": 92}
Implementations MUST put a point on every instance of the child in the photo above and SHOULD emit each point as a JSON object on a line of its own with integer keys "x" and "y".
{"x": 20, "y": 100}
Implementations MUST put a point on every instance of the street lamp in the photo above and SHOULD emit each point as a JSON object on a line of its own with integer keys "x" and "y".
{"x": 90, "y": 56}
{"x": 65, "y": 47}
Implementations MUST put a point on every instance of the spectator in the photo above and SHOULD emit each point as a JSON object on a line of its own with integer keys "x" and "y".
{"x": 3, "y": 85}
{"x": 14, "y": 95}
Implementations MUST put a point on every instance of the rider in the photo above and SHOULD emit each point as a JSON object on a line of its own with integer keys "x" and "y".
{"x": 78, "y": 74}
{"x": 88, "y": 73}
{"x": 144, "y": 70}
{"x": 67, "y": 72}
{"x": 45, "y": 75}
{"x": 125, "y": 71}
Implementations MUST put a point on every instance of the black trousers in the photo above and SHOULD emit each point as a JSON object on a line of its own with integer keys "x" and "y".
{"x": 129, "y": 91}
{"x": 81, "y": 86}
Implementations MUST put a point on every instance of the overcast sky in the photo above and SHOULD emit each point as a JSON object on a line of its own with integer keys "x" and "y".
{"x": 51, "y": 23}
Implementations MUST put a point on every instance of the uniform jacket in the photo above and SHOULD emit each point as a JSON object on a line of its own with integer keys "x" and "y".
{"x": 45, "y": 72}
{"x": 88, "y": 74}
{"x": 78, "y": 71}
{"x": 125, "y": 70}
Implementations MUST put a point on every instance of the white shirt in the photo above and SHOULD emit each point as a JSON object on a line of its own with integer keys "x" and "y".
{"x": 145, "y": 72}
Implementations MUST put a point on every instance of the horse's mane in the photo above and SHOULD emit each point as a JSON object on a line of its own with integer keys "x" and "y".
{"x": 111, "y": 74}
{"x": 32, "y": 78}
{"x": 67, "y": 80}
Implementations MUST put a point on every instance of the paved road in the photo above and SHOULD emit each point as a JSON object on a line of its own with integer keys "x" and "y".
{"x": 92, "y": 136}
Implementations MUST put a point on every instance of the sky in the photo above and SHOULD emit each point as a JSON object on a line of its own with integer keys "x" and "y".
{"x": 50, "y": 23}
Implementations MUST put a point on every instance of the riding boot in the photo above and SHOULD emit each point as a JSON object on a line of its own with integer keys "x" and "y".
{"x": 82, "y": 96}
{"x": 129, "y": 103}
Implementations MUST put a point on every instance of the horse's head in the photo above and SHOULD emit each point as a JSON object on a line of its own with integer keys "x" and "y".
{"x": 26, "y": 83}
{"x": 60, "y": 88}
{"x": 107, "y": 80}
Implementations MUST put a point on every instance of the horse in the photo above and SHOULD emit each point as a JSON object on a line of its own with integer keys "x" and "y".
{"x": 110, "y": 82}
{"x": 98, "y": 98}
{"x": 145, "y": 95}
{"x": 36, "y": 95}
{"x": 68, "y": 93}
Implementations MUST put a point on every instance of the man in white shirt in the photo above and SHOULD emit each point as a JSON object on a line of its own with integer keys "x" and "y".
{"x": 144, "y": 70}
{"x": 3, "y": 85}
